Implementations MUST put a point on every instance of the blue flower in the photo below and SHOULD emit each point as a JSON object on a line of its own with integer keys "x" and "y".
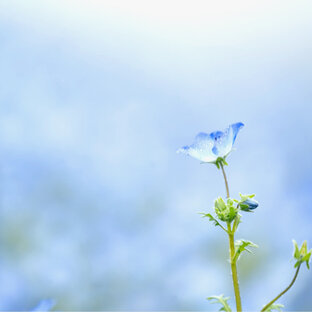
{"x": 248, "y": 205}
{"x": 44, "y": 306}
{"x": 209, "y": 147}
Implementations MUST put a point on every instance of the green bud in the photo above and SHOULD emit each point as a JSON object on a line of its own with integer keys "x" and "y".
{"x": 246, "y": 202}
{"x": 220, "y": 204}
{"x": 302, "y": 255}
{"x": 226, "y": 212}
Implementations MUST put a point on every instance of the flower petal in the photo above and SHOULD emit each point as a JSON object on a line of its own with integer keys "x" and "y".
{"x": 201, "y": 149}
{"x": 223, "y": 141}
{"x": 235, "y": 128}
{"x": 209, "y": 147}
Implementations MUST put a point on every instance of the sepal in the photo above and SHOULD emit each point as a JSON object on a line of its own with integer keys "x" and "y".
{"x": 221, "y": 162}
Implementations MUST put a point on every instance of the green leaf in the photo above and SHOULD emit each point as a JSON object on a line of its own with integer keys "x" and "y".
{"x": 211, "y": 218}
{"x": 240, "y": 246}
{"x": 274, "y": 306}
{"x": 222, "y": 300}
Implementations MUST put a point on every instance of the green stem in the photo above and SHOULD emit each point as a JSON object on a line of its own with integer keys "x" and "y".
{"x": 234, "y": 270}
{"x": 232, "y": 252}
{"x": 226, "y": 182}
{"x": 284, "y": 291}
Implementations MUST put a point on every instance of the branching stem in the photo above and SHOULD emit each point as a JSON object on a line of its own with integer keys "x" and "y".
{"x": 284, "y": 291}
{"x": 232, "y": 252}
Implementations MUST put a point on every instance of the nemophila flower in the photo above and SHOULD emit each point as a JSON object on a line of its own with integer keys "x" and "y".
{"x": 248, "y": 205}
{"x": 209, "y": 148}
{"x": 44, "y": 306}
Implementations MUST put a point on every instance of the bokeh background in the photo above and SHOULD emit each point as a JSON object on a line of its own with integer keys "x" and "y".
{"x": 97, "y": 209}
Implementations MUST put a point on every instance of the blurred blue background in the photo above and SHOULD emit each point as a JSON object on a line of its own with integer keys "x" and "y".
{"x": 97, "y": 209}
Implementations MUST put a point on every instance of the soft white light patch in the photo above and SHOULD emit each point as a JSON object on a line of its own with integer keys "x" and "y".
{"x": 179, "y": 42}
{"x": 178, "y": 20}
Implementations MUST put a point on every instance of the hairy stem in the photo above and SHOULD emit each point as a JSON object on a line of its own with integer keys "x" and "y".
{"x": 232, "y": 252}
{"x": 284, "y": 291}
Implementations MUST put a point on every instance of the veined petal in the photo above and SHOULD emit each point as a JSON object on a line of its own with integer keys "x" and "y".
{"x": 209, "y": 147}
{"x": 223, "y": 141}
{"x": 216, "y": 135}
{"x": 201, "y": 149}
{"x": 235, "y": 128}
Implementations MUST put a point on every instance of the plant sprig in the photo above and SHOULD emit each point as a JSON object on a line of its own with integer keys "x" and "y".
{"x": 214, "y": 148}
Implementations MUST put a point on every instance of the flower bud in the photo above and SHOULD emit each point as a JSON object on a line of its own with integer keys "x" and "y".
{"x": 248, "y": 204}
{"x": 302, "y": 255}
